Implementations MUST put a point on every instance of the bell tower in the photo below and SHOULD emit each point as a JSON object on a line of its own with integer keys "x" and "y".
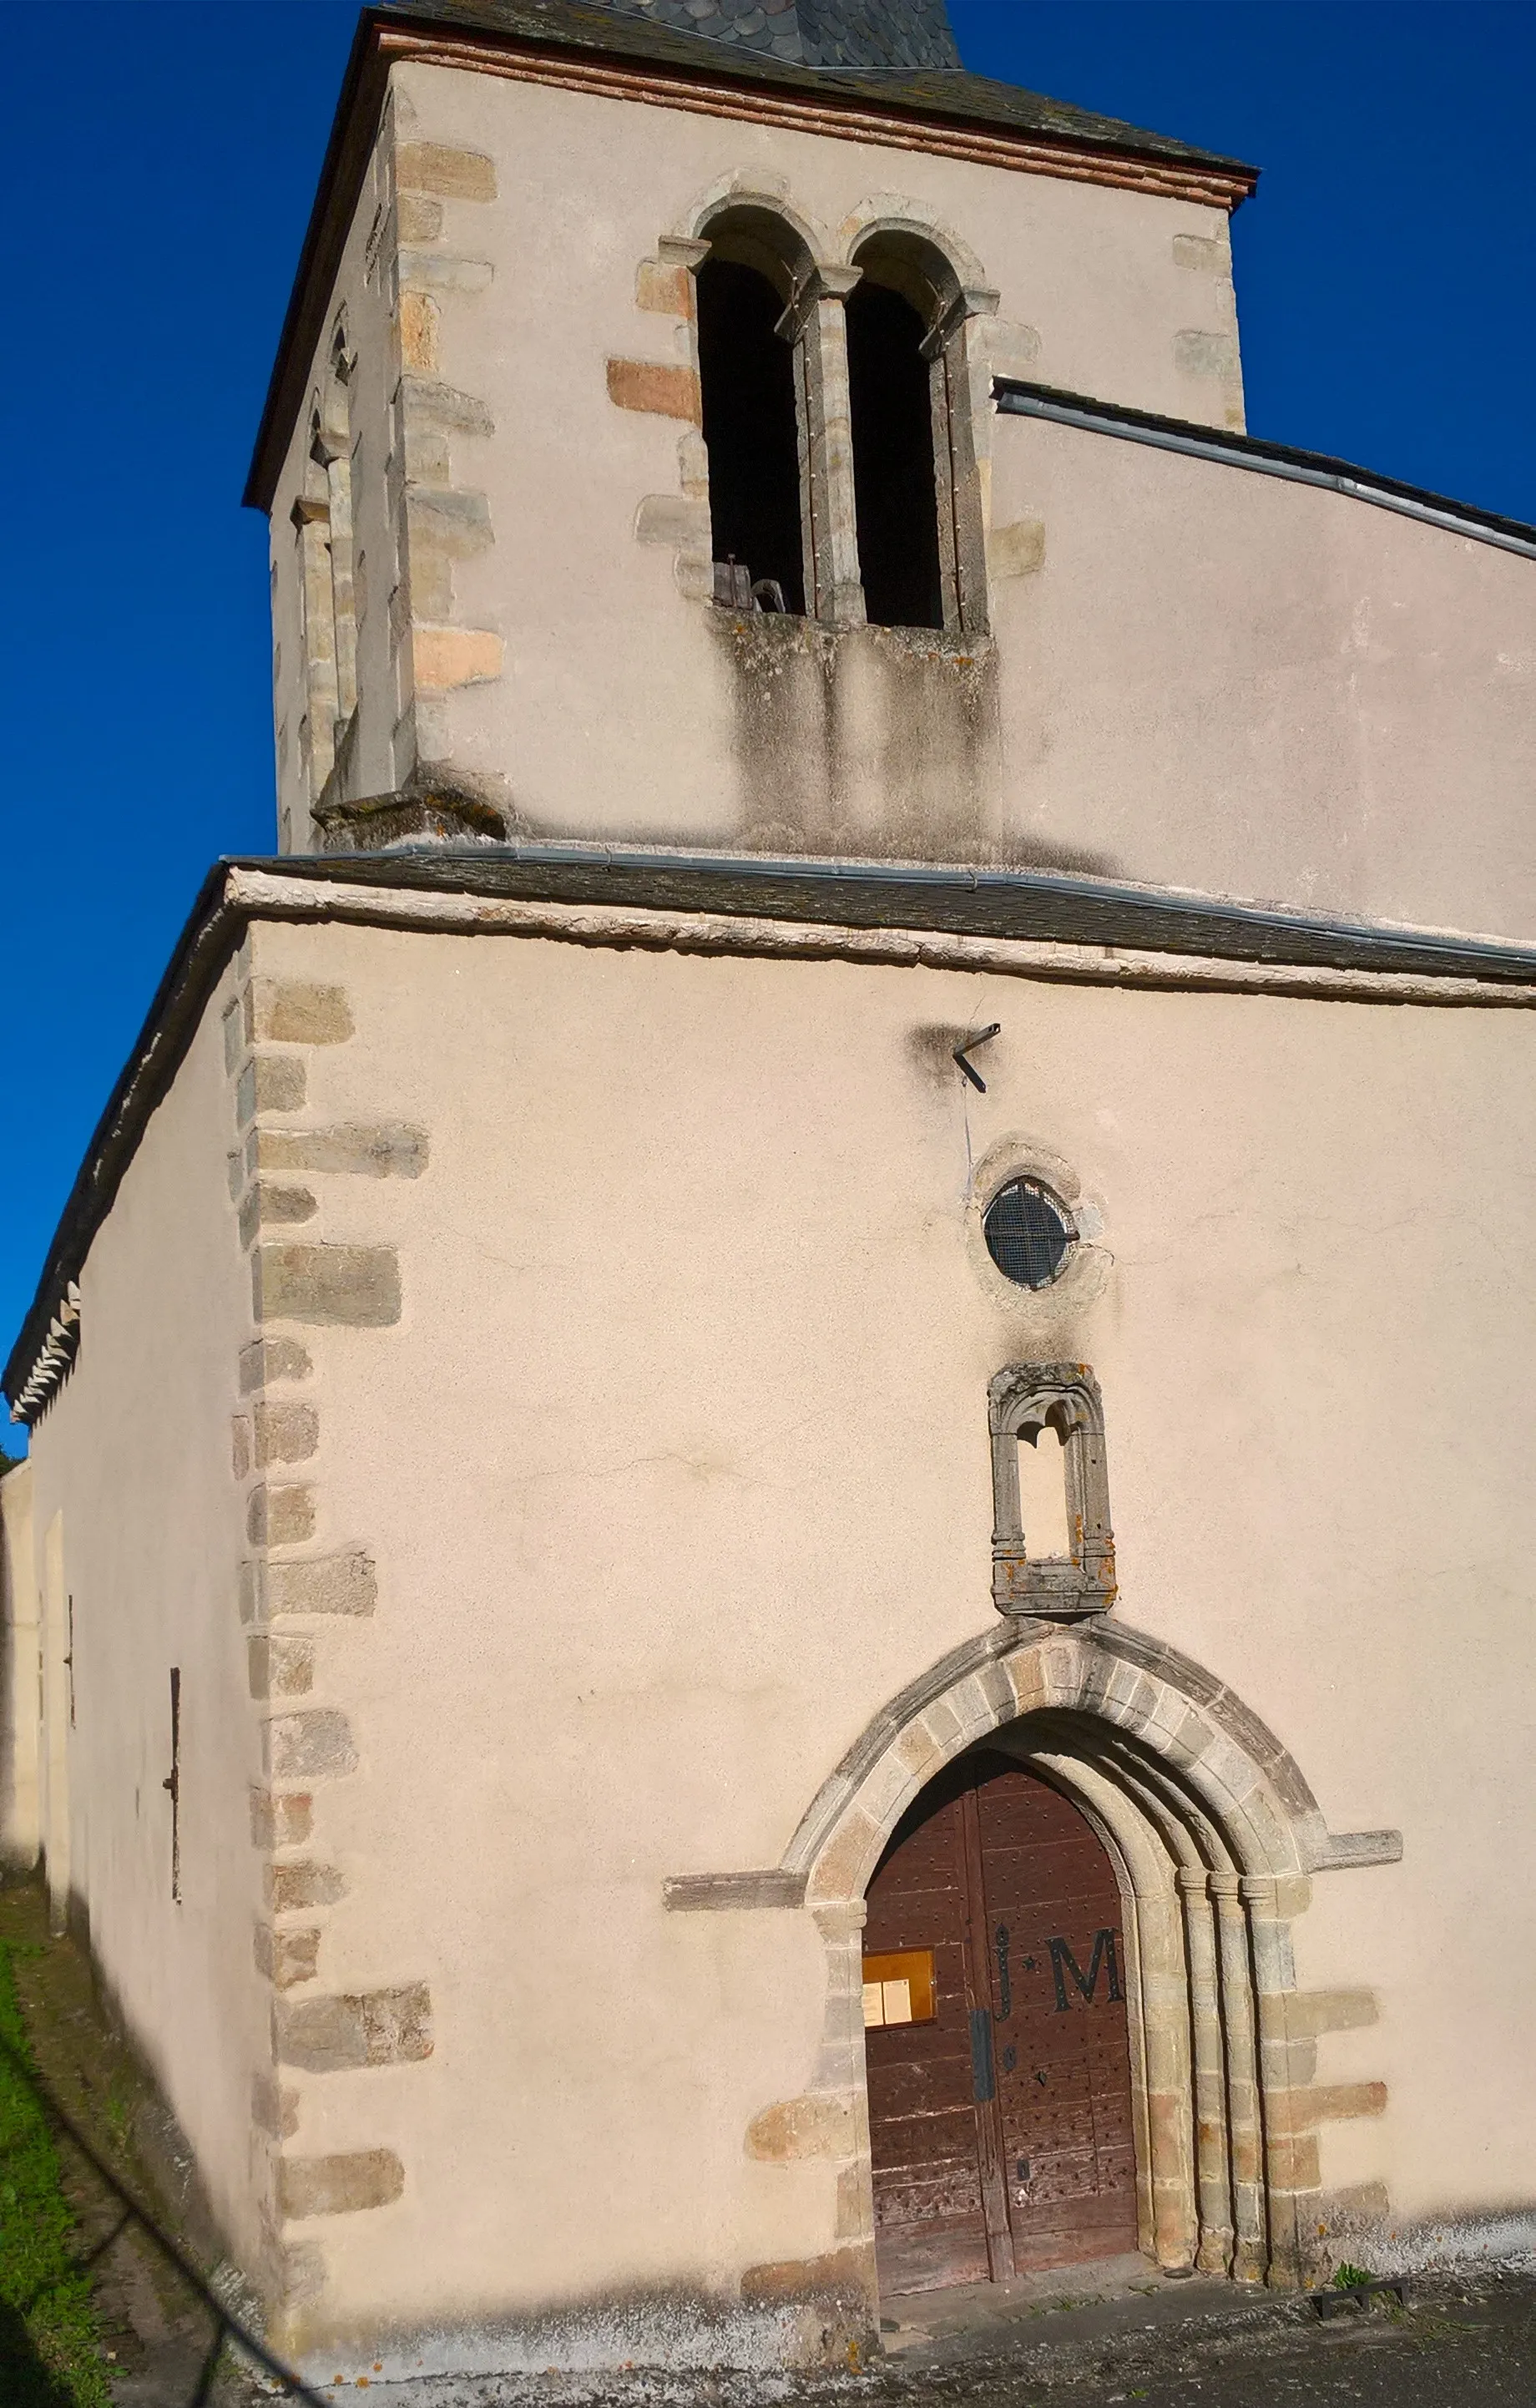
{"x": 633, "y": 455}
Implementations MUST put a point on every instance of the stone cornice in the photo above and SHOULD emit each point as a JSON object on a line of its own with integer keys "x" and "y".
{"x": 890, "y": 914}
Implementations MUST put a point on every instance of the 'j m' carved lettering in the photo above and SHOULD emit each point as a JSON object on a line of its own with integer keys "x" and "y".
{"x": 1063, "y": 1962}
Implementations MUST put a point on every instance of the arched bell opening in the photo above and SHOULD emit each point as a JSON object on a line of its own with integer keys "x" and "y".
{"x": 753, "y": 376}
{"x": 915, "y": 486}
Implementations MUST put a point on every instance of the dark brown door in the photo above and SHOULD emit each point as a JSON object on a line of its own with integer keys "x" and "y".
{"x": 1001, "y": 2127}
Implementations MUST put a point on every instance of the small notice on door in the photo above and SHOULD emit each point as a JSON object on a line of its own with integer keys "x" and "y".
{"x": 899, "y": 1988}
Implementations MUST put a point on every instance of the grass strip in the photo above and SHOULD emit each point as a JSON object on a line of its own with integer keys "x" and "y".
{"x": 50, "y": 2347}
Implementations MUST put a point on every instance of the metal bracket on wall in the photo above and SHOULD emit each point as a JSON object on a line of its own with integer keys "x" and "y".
{"x": 982, "y": 1037}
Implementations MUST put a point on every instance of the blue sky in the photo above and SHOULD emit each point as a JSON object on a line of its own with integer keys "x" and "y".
{"x": 1384, "y": 282}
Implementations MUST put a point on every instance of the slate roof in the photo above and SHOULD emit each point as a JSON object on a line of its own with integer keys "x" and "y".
{"x": 815, "y": 32}
{"x": 636, "y": 29}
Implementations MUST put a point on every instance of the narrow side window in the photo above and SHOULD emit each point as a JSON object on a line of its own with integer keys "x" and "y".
{"x": 751, "y": 435}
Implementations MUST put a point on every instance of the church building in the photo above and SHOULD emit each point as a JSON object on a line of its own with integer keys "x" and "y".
{"x": 778, "y": 1538}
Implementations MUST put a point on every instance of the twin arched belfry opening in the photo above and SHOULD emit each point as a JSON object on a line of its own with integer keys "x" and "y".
{"x": 840, "y": 468}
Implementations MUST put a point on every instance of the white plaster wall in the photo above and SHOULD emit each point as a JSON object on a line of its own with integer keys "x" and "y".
{"x": 1226, "y": 681}
{"x": 131, "y": 1470}
{"x": 676, "y": 1468}
{"x": 22, "y": 1673}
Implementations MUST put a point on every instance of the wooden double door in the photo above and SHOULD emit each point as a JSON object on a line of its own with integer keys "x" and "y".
{"x": 999, "y": 2093}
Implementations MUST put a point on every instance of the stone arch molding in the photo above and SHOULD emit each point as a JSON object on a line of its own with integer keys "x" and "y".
{"x": 1214, "y": 1835}
{"x": 1249, "y": 1783}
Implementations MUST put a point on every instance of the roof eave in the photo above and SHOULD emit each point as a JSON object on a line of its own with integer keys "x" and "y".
{"x": 356, "y": 120}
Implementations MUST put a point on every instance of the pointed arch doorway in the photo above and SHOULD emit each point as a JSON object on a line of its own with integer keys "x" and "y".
{"x": 997, "y": 2049}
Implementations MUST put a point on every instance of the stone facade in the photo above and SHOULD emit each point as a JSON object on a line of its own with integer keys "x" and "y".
{"x": 524, "y": 1487}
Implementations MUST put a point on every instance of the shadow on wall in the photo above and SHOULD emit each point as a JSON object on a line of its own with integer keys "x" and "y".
{"x": 876, "y": 741}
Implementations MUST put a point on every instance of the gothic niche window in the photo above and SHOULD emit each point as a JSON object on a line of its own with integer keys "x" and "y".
{"x": 914, "y": 472}
{"x": 1056, "y": 1411}
{"x": 752, "y": 432}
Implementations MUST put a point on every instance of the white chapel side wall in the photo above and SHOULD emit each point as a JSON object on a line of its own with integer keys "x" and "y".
{"x": 673, "y": 1469}
{"x": 136, "y": 1522}
{"x": 21, "y": 1673}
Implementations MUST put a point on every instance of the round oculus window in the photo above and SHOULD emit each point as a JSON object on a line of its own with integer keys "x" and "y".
{"x": 1029, "y": 1234}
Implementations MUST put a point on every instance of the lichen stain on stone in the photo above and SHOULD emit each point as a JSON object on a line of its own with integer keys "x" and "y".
{"x": 870, "y": 741}
{"x": 881, "y": 743}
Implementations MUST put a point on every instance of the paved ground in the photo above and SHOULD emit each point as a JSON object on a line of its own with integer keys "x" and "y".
{"x": 1463, "y": 2339}
{"x": 1092, "y": 2338}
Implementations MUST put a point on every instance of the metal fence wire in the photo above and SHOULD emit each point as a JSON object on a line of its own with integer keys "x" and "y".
{"x": 226, "y": 2325}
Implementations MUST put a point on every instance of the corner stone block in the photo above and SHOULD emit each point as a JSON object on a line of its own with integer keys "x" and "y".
{"x": 1017, "y": 550}
{"x": 234, "y": 1034}
{"x": 240, "y": 1445}
{"x": 285, "y": 1957}
{"x": 1198, "y": 353}
{"x": 352, "y": 1286}
{"x": 377, "y": 1149}
{"x": 292, "y": 1889}
{"x": 266, "y": 1205}
{"x": 664, "y": 390}
{"x": 418, "y": 317}
{"x": 284, "y": 1433}
{"x": 272, "y": 1358}
{"x": 344, "y": 1584}
{"x": 281, "y": 1517}
{"x": 282, "y": 1821}
{"x": 272, "y": 1082}
{"x": 445, "y": 657}
{"x": 274, "y": 2109}
{"x": 312, "y": 1746}
{"x": 668, "y": 290}
{"x": 299, "y": 1011}
{"x": 340, "y": 2186}
{"x": 440, "y": 167}
{"x": 819, "y": 2125}
{"x": 376, "y": 2028}
{"x": 672, "y": 519}
{"x": 280, "y": 1667}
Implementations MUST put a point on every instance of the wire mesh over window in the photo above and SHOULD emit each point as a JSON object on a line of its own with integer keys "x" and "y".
{"x": 1028, "y": 1233}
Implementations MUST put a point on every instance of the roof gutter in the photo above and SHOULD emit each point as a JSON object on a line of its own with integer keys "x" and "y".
{"x": 1015, "y": 398}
